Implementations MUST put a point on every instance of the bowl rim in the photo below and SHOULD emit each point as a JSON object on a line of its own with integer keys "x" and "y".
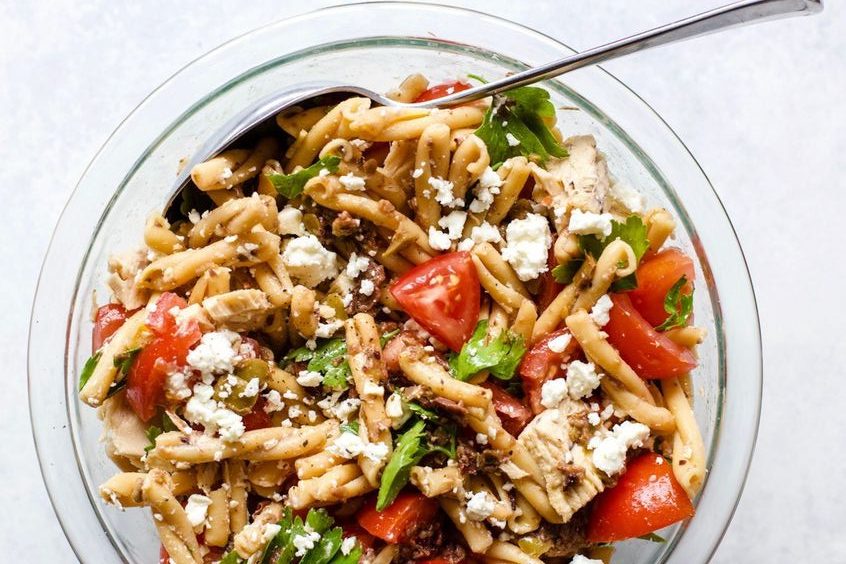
{"x": 329, "y": 11}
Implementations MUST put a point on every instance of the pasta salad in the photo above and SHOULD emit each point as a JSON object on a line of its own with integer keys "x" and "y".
{"x": 402, "y": 335}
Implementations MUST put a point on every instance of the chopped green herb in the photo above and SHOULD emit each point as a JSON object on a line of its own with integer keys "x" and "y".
{"x": 326, "y": 548}
{"x": 124, "y": 360}
{"x": 501, "y": 356}
{"x": 351, "y": 427}
{"x": 408, "y": 451}
{"x": 564, "y": 273}
{"x": 153, "y": 431}
{"x": 231, "y": 558}
{"x": 422, "y": 412}
{"x": 476, "y": 77}
{"x": 652, "y": 537}
{"x": 352, "y": 558}
{"x": 514, "y": 126}
{"x": 88, "y": 369}
{"x": 633, "y": 232}
{"x": 679, "y": 306}
{"x": 291, "y": 185}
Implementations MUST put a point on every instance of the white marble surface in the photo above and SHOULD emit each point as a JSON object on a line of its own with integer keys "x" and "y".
{"x": 761, "y": 108}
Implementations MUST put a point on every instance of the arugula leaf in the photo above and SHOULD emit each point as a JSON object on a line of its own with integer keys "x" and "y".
{"x": 318, "y": 520}
{"x": 633, "y": 232}
{"x": 88, "y": 369}
{"x": 328, "y": 359}
{"x": 422, "y": 412}
{"x": 501, "y": 356}
{"x": 408, "y": 451}
{"x": 153, "y": 431}
{"x": 564, "y": 273}
{"x": 291, "y": 185}
{"x": 325, "y": 549}
{"x": 517, "y": 115}
{"x": 679, "y": 306}
{"x": 231, "y": 558}
{"x": 352, "y": 558}
{"x": 351, "y": 427}
{"x": 123, "y": 361}
{"x": 652, "y": 537}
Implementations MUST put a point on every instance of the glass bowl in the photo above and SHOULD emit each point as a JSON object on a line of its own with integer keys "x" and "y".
{"x": 373, "y": 45}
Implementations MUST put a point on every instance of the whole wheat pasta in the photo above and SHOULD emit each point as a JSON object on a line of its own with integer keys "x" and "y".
{"x": 514, "y": 173}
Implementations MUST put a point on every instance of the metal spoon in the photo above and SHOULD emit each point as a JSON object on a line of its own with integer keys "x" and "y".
{"x": 729, "y": 16}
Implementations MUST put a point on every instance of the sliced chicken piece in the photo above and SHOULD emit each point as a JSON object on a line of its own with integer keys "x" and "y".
{"x": 239, "y": 310}
{"x": 584, "y": 174}
{"x": 124, "y": 434}
{"x": 123, "y": 270}
{"x": 571, "y": 479}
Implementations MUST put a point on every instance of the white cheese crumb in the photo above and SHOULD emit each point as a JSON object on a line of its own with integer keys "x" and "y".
{"x": 528, "y": 241}
{"x": 309, "y": 261}
{"x": 579, "y": 559}
{"x": 487, "y": 187}
{"x": 627, "y": 197}
{"x": 559, "y": 343}
{"x": 443, "y": 192}
{"x": 600, "y": 313}
{"x": 582, "y": 379}
{"x": 352, "y": 182}
{"x": 553, "y": 393}
{"x": 273, "y": 402}
{"x": 484, "y": 233}
{"x": 481, "y": 438}
{"x": 356, "y": 265}
{"x": 251, "y": 389}
{"x": 609, "y": 455}
{"x": 479, "y": 506}
{"x": 453, "y": 224}
{"x": 348, "y": 545}
{"x": 197, "y": 508}
{"x": 194, "y": 217}
{"x": 589, "y": 223}
{"x": 216, "y": 352}
{"x": 417, "y": 173}
{"x": 439, "y": 240}
{"x": 291, "y": 221}
{"x": 304, "y": 543}
{"x": 593, "y": 418}
{"x": 269, "y": 531}
{"x": 367, "y": 287}
{"x": 512, "y": 141}
{"x": 309, "y": 378}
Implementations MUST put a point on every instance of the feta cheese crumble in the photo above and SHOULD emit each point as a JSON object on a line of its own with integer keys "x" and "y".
{"x": 356, "y": 265}
{"x": 582, "y": 379}
{"x": 528, "y": 241}
{"x": 559, "y": 343}
{"x": 309, "y": 261}
{"x": 348, "y": 545}
{"x": 309, "y": 378}
{"x": 553, "y": 392}
{"x": 480, "y": 506}
{"x": 216, "y": 353}
{"x": 197, "y": 508}
{"x": 484, "y": 233}
{"x": 352, "y": 182}
{"x": 600, "y": 313}
{"x": 443, "y": 192}
{"x": 439, "y": 240}
{"x": 609, "y": 455}
{"x": 367, "y": 287}
{"x": 589, "y": 223}
{"x": 512, "y": 141}
{"x": 485, "y": 190}
{"x": 304, "y": 543}
{"x": 579, "y": 559}
{"x": 627, "y": 197}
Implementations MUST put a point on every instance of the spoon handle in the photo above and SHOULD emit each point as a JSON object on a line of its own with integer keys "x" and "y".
{"x": 731, "y": 15}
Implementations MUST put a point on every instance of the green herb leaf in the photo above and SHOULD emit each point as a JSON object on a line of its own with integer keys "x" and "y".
{"x": 291, "y": 185}
{"x": 124, "y": 360}
{"x": 408, "y": 451}
{"x": 633, "y": 232}
{"x": 231, "y": 558}
{"x": 280, "y": 545}
{"x": 422, "y": 412}
{"x": 652, "y": 537}
{"x": 88, "y": 369}
{"x": 326, "y": 548}
{"x": 476, "y": 77}
{"x": 152, "y": 432}
{"x": 351, "y": 427}
{"x": 514, "y": 126}
{"x": 501, "y": 356}
{"x": 564, "y": 273}
{"x": 679, "y": 306}
{"x": 352, "y": 558}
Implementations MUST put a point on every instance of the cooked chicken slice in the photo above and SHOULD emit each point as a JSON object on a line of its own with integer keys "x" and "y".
{"x": 123, "y": 270}
{"x": 239, "y": 310}
{"x": 124, "y": 434}
{"x": 584, "y": 174}
{"x": 571, "y": 479}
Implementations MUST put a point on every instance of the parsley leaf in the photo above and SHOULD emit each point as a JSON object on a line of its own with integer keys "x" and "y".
{"x": 633, "y": 232}
{"x": 408, "y": 451}
{"x": 422, "y": 412}
{"x": 88, "y": 369}
{"x": 153, "y": 431}
{"x": 352, "y": 558}
{"x": 124, "y": 360}
{"x": 514, "y": 126}
{"x": 652, "y": 537}
{"x": 500, "y": 356}
{"x": 326, "y": 548}
{"x": 231, "y": 558}
{"x": 679, "y": 306}
{"x": 564, "y": 273}
{"x": 351, "y": 427}
{"x": 291, "y": 185}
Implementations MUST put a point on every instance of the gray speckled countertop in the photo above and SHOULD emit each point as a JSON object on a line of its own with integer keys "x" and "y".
{"x": 761, "y": 108}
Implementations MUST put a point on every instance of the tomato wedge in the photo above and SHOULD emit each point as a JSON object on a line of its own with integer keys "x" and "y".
{"x": 108, "y": 319}
{"x": 647, "y": 497}
{"x": 511, "y": 411}
{"x": 442, "y": 295}
{"x": 541, "y": 364}
{"x": 655, "y": 277}
{"x": 161, "y": 356}
{"x": 400, "y": 520}
{"x": 441, "y": 90}
{"x": 649, "y": 353}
